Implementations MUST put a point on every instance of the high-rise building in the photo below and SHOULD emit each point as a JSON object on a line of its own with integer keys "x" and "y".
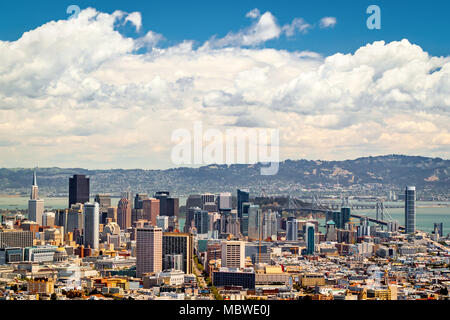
{"x": 78, "y": 189}
{"x": 124, "y": 214}
{"x": 138, "y": 200}
{"x": 190, "y": 216}
{"x": 244, "y": 218}
{"x": 75, "y": 218}
{"x": 163, "y": 223}
{"x": 35, "y": 210}
{"x": 233, "y": 254}
{"x": 35, "y": 205}
{"x": 151, "y": 210}
{"x": 173, "y": 207}
{"x": 242, "y": 196}
{"x": 179, "y": 244}
{"x": 48, "y": 219}
{"x": 224, "y": 201}
{"x": 194, "y": 201}
{"x": 410, "y": 210}
{"x": 344, "y": 217}
{"x": 208, "y": 198}
{"x": 91, "y": 225}
{"x": 112, "y": 214}
{"x": 201, "y": 221}
{"x": 148, "y": 250}
{"x": 34, "y": 188}
{"x": 310, "y": 238}
{"x": 104, "y": 202}
{"x": 291, "y": 229}
{"x": 331, "y": 231}
{"x": 162, "y": 196}
{"x": 439, "y": 229}
{"x": 254, "y": 222}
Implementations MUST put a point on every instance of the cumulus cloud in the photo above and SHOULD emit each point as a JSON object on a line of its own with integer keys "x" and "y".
{"x": 328, "y": 22}
{"x": 136, "y": 19}
{"x": 79, "y": 93}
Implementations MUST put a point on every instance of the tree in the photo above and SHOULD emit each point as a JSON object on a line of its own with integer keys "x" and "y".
{"x": 53, "y": 296}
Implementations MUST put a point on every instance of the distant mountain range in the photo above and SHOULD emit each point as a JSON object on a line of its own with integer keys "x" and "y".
{"x": 381, "y": 173}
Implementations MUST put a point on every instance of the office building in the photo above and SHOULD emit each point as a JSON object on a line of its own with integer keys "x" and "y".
{"x": 310, "y": 238}
{"x": 242, "y": 196}
{"x": 48, "y": 219}
{"x": 224, "y": 201}
{"x": 233, "y": 254}
{"x": 234, "y": 278}
{"x": 148, "y": 250}
{"x": 124, "y": 214}
{"x": 138, "y": 200}
{"x": 179, "y": 244}
{"x": 35, "y": 205}
{"x": 163, "y": 223}
{"x": 194, "y": 201}
{"x": 254, "y": 222}
{"x": 201, "y": 221}
{"x": 173, "y": 262}
{"x": 410, "y": 210}
{"x": 439, "y": 229}
{"x": 292, "y": 229}
{"x": 75, "y": 218}
{"x": 244, "y": 218}
{"x": 78, "y": 189}
{"x": 14, "y": 238}
{"x": 150, "y": 209}
{"x": 91, "y": 225}
{"x": 331, "y": 231}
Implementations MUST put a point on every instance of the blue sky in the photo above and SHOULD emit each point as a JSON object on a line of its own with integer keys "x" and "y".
{"x": 425, "y": 23}
{"x": 118, "y": 90}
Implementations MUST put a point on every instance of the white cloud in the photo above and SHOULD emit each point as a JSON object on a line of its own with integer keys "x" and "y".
{"x": 298, "y": 24}
{"x": 77, "y": 93}
{"x": 136, "y": 19}
{"x": 253, "y": 14}
{"x": 328, "y": 22}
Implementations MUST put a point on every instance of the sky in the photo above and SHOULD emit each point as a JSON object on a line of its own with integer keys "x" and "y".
{"x": 109, "y": 87}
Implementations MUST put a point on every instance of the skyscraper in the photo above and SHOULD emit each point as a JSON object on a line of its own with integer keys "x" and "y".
{"x": 310, "y": 238}
{"x": 224, "y": 201}
{"x": 78, "y": 189}
{"x": 91, "y": 225}
{"x": 201, "y": 221}
{"x": 292, "y": 229}
{"x": 124, "y": 214}
{"x": 439, "y": 229}
{"x": 148, "y": 250}
{"x": 179, "y": 244}
{"x": 244, "y": 218}
{"x": 138, "y": 200}
{"x": 410, "y": 210}
{"x": 194, "y": 201}
{"x": 242, "y": 196}
{"x": 254, "y": 222}
{"x": 35, "y": 205}
{"x": 75, "y": 218}
{"x": 151, "y": 210}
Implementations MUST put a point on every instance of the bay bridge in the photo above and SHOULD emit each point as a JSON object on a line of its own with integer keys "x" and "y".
{"x": 382, "y": 218}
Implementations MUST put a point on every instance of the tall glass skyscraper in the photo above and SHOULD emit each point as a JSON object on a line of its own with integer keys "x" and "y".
{"x": 291, "y": 229}
{"x": 242, "y": 196}
{"x": 410, "y": 210}
{"x": 310, "y": 238}
{"x": 78, "y": 189}
{"x": 91, "y": 225}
